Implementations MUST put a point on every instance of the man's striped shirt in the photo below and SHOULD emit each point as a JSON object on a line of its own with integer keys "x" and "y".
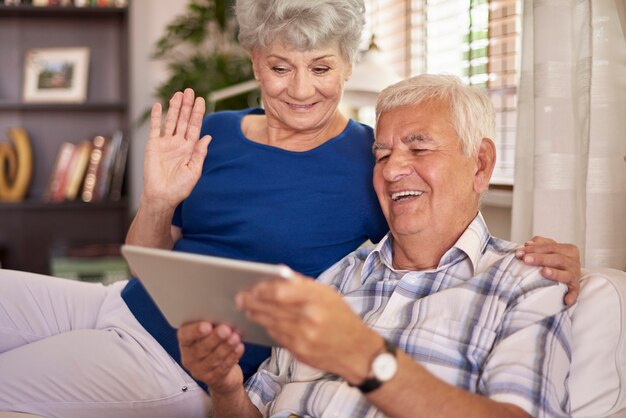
{"x": 482, "y": 321}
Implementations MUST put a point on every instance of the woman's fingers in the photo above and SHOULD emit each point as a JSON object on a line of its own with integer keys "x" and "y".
{"x": 572, "y": 294}
{"x": 195, "y": 121}
{"x": 560, "y": 262}
{"x": 184, "y": 116}
{"x": 549, "y": 246}
{"x": 155, "y": 121}
{"x": 185, "y": 113}
{"x": 541, "y": 240}
{"x": 199, "y": 154}
{"x": 172, "y": 113}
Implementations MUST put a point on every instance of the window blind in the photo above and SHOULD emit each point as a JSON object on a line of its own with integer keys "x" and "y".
{"x": 477, "y": 40}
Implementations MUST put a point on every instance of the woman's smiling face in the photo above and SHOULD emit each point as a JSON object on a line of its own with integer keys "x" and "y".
{"x": 301, "y": 90}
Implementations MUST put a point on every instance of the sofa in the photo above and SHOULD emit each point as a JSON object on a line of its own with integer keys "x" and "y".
{"x": 598, "y": 376}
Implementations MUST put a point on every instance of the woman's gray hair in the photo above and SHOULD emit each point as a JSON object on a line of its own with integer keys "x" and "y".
{"x": 473, "y": 116}
{"x": 301, "y": 24}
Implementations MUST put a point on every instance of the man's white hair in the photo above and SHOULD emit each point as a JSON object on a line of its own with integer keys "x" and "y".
{"x": 472, "y": 113}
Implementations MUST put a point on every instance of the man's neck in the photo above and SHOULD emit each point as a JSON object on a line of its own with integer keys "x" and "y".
{"x": 419, "y": 256}
{"x": 423, "y": 251}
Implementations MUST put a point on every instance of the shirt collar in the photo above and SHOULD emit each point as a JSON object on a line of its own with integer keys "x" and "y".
{"x": 472, "y": 242}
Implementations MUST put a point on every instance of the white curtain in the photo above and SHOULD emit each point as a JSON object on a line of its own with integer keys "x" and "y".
{"x": 570, "y": 168}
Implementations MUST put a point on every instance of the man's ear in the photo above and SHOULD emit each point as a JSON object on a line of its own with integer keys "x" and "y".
{"x": 485, "y": 162}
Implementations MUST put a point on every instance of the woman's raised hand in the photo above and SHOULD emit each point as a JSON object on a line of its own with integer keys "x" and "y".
{"x": 174, "y": 156}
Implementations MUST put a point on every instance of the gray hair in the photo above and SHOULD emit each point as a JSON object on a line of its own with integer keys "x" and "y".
{"x": 473, "y": 116}
{"x": 301, "y": 24}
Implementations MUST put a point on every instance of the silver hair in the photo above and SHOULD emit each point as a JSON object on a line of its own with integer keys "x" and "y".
{"x": 473, "y": 116}
{"x": 301, "y": 24}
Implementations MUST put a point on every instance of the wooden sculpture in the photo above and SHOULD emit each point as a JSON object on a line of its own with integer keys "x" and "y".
{"x": 16, "y": 166}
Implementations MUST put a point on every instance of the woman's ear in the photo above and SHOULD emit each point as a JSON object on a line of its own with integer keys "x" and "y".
{"x": 348, "y": 73}
{"x": 485, "y": 162}
{"x": 254, "y": 56}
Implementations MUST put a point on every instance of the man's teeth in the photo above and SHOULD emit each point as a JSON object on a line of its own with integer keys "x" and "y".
{"x": 399, "y": 195}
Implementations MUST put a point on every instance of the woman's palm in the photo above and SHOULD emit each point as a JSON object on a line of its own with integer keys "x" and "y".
{"x": 174, "y": 155}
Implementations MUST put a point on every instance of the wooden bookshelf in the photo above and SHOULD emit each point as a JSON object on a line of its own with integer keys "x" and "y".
{"x": 32, "y": 231}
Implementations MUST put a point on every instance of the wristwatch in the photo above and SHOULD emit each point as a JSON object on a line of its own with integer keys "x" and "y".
{"x": 383, "y": 368}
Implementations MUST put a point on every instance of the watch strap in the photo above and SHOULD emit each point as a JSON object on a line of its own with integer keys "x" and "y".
{"x": 372, "y": 383}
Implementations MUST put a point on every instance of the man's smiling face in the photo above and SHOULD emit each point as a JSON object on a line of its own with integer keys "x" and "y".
{"x": 424, "y": 182}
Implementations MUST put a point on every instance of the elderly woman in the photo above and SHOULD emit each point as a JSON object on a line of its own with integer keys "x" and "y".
{"x": 289, "y": 183}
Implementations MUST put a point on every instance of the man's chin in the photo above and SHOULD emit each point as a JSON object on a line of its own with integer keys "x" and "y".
{"x": 406, "y": 230}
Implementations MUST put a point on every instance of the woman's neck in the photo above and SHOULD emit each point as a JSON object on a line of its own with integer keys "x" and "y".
{"x": 269, "y": 131}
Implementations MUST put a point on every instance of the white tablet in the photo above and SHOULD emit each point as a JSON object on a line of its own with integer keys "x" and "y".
{"x": 189, "y": 287}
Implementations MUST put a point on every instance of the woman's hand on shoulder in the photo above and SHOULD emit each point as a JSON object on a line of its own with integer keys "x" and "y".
{"x": 175, "y": 153}
{"x": 560, "y": 262}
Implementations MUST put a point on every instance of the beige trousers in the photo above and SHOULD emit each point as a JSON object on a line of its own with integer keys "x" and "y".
{"x": 72, "y": 349}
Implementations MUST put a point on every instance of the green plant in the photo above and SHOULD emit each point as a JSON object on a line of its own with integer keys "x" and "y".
{"x": 201, "y": 51}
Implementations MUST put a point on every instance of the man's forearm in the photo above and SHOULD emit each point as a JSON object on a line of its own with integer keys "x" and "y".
{"x": 152, "y": 227}
{"x": 415, "y": 393}
{"x": 236, "y": 404}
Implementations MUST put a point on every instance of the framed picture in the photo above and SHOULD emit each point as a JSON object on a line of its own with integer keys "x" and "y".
{"x": 56, "y": 75}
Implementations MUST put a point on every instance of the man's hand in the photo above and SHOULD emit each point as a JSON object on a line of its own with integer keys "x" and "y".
{"x": 561, "y": 262}
{"x": 211, "y": 354}
{"x": 313, "y": 322}
{"x": 174, "y": 155}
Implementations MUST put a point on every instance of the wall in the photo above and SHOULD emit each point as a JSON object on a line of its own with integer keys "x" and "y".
{"x": 496, "y": 209}
{"x": 148, "y": 19}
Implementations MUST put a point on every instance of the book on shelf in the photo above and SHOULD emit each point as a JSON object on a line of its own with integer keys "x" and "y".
{"x": 109, "y": 154}
{"x": 92, "y": 170}
{"x": 75, "y": 3}
{"x": 77, "y": 169}
{"x": 119, "y": 168}
{"x": 55, "y": 191}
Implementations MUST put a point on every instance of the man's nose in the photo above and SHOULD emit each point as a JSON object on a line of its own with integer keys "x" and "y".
{"x": 301, "y": 86}
{"x": 397, "y": 166}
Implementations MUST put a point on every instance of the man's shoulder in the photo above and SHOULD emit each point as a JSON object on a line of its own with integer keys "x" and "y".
{"x": 349, "y": 267}
{"x": 499, "y": 263}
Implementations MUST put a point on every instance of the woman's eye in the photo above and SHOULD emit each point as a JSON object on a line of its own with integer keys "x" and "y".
{"x": 320, "y": 70}
{"x": 279, "y": 70}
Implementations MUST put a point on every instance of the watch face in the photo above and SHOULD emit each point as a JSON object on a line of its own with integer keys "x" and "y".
{"x": 385, "y": 366}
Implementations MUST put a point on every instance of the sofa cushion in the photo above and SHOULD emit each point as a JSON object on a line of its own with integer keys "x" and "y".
{"x": 598, "y": 373}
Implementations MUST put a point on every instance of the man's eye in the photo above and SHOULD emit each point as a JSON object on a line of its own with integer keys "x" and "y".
{"x": 381, "y": 158}
{"x": 419, "y": 150}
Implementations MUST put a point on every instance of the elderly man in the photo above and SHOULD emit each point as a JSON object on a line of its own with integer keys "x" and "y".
{"x": 438, "y": 319}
